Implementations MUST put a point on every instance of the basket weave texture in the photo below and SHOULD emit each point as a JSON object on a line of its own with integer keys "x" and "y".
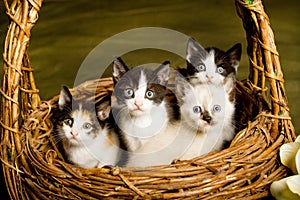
{"x": 34, "y": 169}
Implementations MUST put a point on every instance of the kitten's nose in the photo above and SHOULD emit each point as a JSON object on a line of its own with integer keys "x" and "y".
{"x": 209, "y": 77}
{"x": 74, "y": 134}
{"x": 138, "y": 104}
{"x": 206, "y": 117}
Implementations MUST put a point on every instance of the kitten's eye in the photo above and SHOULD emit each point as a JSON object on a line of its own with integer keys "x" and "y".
{"x": 201, "y": 68}
{"x": 129, "y": 92}
{"x": 220, "y": 70}
{"x": 217, "y": 108}
{"x": 197, "y": 109}
{"x": 149, "y": 94}
{"x": 68, "y": 122}
{"x": 87, "y": 125}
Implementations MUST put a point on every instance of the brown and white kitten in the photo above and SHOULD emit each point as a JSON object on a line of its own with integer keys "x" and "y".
{"x": 139, "y": 108}
{"x": 211, "y": 65}
{"x": 82, "y": 130}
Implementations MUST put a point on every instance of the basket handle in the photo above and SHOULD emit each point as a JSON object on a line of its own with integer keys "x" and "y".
{"x": 19, "y": 95}
{"x": 264, "y": 63}
{"x": 19, "y": 92}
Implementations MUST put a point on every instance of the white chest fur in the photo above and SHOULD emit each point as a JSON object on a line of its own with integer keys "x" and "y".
{"x": 137, "y": 130}
{"x": 103, "y": 150}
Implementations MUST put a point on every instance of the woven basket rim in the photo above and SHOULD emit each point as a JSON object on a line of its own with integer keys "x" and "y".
{"x": 34, "y": 169}
{"x": 255, "y": 138}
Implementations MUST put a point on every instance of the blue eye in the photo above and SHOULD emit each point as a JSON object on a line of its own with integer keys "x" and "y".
{"x": 201, "y": 68}
{"x": 128, "y": 92}
{"x": 149, "y": 94}
{"x": 220, "y": 70}
{"x": 68, "y": 122}
{"x": 87, "y": 125}
{"x": 217, "y": 108}
{"x": 197, "y": 109}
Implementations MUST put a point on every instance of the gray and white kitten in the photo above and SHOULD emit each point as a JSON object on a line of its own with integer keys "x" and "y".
{"x": 138, "y": 107}
{"x": 211, "y": 65}
{"x": 207, "y": 113}
{"x": 82, "y": 130}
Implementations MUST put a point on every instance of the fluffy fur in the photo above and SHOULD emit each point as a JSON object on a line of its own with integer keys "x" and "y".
{"x": 207, "y": 114}
{"x": 163, "y": 148}
{"x": 211, "y": 65}
{"x": 82, "y": 131}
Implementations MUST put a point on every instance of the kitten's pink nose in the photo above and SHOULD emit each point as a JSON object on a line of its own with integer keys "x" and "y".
{"x": 138, "y": 104}
{"x": 209, "y": 77}
{"x": 74, "y": 134}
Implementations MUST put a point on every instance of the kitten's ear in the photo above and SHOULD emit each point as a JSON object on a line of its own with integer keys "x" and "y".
{"x": 163, "y": 73}
{"x": 119, "y": 69}
{"x": 229, "y": 83}
{"x": 194, "y": 49}
{"x": 235, "y": 53}
{"x": 181, "y": 87}
{"x": 103, "y": 110}
{"x": 65, "y": 97}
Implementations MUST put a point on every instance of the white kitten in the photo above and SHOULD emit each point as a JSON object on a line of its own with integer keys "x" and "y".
{"x": 207, "y": 112}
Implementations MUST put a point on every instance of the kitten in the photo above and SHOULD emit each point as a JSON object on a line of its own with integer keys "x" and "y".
{"x": 139, "y": 108}
{"x": 211, "y": 65}
{"x": 82, "y": 130}
{"x": 207, "y": 113}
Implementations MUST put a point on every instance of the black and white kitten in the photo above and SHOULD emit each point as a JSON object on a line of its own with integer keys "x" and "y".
{"x": 82, "y": 130}
{"x": 145, "y": 116}
{"x": 211, "y": 65}
{"x": 139, "y": 108}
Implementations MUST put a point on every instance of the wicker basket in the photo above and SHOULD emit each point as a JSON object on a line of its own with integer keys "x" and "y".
{"x": 34, "y": 169}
